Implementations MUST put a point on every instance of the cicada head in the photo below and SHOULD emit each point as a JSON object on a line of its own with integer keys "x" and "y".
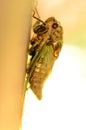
{"x": 55, "y": 34}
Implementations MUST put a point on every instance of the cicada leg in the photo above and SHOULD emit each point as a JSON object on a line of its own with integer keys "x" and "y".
{"x": 34, "y": 47}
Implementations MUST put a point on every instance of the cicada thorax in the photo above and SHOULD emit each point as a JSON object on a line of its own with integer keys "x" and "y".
{"x": 46, "y": 44}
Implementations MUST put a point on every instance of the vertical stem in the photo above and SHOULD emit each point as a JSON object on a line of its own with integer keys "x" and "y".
{"x": 15, "y": 23}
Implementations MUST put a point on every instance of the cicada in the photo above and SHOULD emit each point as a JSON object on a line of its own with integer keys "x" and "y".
{"x": 45, "y": 47}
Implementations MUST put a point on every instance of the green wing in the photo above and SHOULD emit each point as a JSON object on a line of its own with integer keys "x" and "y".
{"x": 39, "y": 69}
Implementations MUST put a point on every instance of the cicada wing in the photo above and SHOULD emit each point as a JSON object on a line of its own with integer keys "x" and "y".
{"x": 40, "y": 69}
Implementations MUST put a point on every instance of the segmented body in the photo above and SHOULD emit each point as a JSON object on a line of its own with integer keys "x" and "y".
{"x": 46, "y": 45}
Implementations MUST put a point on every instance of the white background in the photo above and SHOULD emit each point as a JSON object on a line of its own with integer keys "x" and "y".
{"x": 63, "y": 105}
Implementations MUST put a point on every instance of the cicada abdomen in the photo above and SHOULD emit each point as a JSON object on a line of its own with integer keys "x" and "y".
{"x": 46, "y": 45}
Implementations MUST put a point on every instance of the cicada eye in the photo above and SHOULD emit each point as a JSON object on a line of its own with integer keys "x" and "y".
{"x": 54, "y": 25}
{"x": 40, "y": 29}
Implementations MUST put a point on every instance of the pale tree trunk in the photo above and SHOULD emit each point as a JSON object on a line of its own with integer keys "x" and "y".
{"x": 15, "y": 23}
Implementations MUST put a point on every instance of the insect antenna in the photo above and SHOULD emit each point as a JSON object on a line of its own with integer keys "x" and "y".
{"x": 37, "y": 18}
{"x": 37, "y": 13}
